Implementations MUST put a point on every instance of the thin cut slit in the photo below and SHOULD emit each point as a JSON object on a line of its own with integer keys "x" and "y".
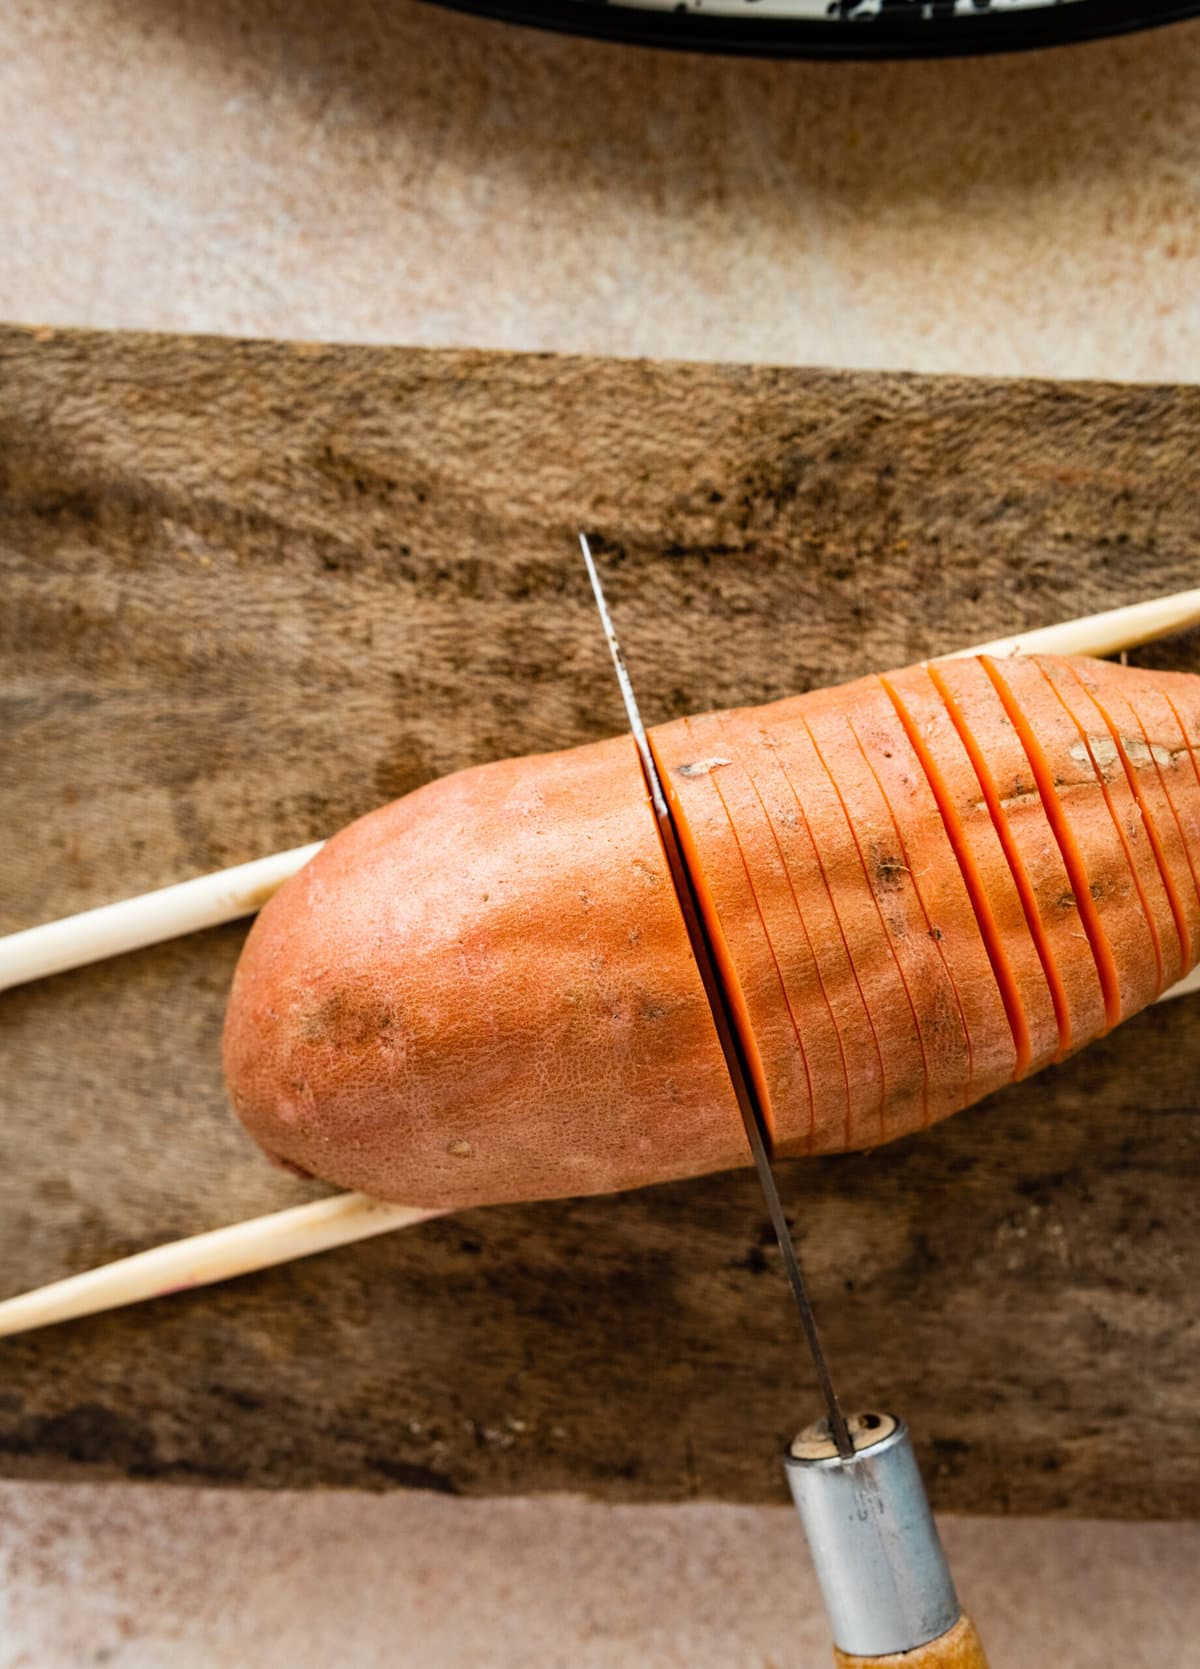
{"x": 934, "y": 939}
{"x": 731, "y": 985}
{"x": 1183, "y": 731}
{"x": 882, "y": 924}
{"x": 1141, "y": 706}
{"x": 841, "y": 927}
{"x": 1067, "y": 844}
{"x": 1155, "y": 937}
{"x": 1151, "y": 827}
{"x": 989, "y": 931}
{"x": 1020, "y": 874}
{"x": 812, "y": 1104}
{"x": 815, "y": 960}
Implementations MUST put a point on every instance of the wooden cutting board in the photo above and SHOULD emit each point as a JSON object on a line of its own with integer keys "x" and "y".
{"x": 250, "y": 590}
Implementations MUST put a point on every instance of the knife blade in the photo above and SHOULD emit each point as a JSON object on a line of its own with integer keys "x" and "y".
{"x": 732, "y": 1048}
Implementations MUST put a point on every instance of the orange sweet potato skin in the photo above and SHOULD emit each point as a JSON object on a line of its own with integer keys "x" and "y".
{"x": 484, "y": 992}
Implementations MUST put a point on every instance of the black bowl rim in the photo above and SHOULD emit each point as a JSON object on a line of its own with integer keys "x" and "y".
{"x": 890, "y": 35}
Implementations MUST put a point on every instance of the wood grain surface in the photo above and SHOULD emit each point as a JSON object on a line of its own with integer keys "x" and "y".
{"x": 251, "y": 590}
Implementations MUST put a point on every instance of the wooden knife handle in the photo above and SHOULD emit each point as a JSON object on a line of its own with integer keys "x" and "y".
{"x": 960, "y": 1648}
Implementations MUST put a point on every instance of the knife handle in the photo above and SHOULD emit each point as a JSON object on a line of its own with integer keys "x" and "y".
{"x": 878, "y": 1560}
{"x": 959, "y": 1648}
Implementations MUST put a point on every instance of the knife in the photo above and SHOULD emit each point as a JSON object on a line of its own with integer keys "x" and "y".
{"x": 855, "y": 1481}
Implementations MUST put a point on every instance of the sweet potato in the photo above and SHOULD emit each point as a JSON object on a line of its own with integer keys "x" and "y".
{"x": 983, "y": 863}
{"x": 917, "y": 888}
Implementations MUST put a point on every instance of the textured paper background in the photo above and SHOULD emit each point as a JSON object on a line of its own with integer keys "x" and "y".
{"x": 379, "y": 170}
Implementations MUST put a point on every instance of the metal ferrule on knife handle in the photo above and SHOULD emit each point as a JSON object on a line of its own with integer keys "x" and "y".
{"x": 879, "y": 1561}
